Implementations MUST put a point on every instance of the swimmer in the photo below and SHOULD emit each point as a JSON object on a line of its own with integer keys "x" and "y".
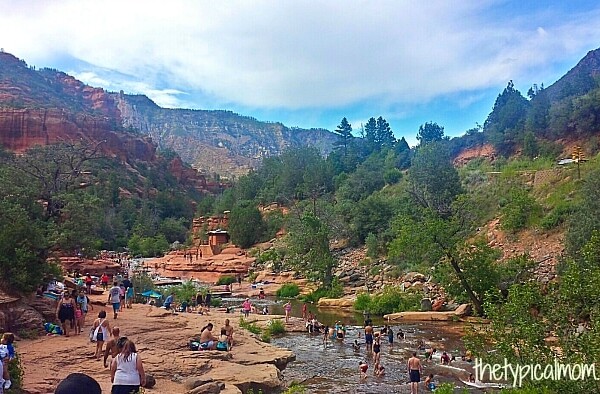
{"x": 356, "y": 345}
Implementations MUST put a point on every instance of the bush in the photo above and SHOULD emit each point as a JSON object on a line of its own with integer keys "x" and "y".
{"x": 288, "y": 290}
{"x": 226, "y": 280}
{"x": 15, "y": 369}
{"x": 519, "y": 210}
{"x": 276, "y": 327}
{"x": 252, "y": 327}
{"x": 265, "y": 336}
{"x": 295, "y": 388}
{"x": 557, "y": 216}
{"x": 216, "y": 302}
{"x": 335, "y": 291}
{"x": 390, "y": 300}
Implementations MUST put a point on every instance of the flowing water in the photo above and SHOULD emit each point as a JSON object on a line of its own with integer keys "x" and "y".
{"x": 333, "y": 367}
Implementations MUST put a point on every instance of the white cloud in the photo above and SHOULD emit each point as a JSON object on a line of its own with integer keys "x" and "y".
{"x": 301, "y": 54}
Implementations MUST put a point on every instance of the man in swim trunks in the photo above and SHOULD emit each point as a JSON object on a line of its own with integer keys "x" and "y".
{"x": 114, "y": 298}
{"x": 111, "y": 346}
{"x": 414, "y": 372}
{"x": 207, "y": 339}
{"x": 369, "y": 337}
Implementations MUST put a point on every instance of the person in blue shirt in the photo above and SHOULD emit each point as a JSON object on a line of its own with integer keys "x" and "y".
{"x": 169, "y": 301}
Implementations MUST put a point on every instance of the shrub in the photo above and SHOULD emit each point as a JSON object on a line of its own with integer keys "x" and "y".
{"x": 372, "y": 246}
{"x": 288, "y": 290}
{"x": 295, "y": 388}
{"x": 390, "y": 300}
{"x": 519, "y": 210}
{"x": 276, "y": 327}
{"x": 226, "y": 280}
{"x": 252, "y": 276}
{"x": 15, "y": 369}
{"x": 265, "y": 336}
{"x": 557, "y": 216}
{"x": 216, "y": 302}
{"x": 252, "y": 327}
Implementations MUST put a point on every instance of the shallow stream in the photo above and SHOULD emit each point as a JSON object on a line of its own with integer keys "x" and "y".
{"x": 333, "y": 368}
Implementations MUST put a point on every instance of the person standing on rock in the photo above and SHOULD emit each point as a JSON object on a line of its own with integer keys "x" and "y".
{"x": 288, "y": 310}
{"x": 304, "y": 312}
{"x": 114, "y": 298}
{"x": 208, "y": 299}
{"x": 88, "y": 283}
{"x": 127, "y": 371}
{"x": 239, "y": 280}
{"x": 247, "y": 307}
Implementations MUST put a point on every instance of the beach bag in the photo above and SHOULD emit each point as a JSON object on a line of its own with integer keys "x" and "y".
{"x": 93, "y": 334}
{"x": 194, "y": 345}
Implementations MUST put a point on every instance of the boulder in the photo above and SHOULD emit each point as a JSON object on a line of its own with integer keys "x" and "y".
{"x": 463, "y": 310}
{"x": 438, "y": 304}
{"x": 208, "y": 388}
{"x": 336, "y": 303}
{"x": 426, "y": 305}
{"x": 150, "y": 381}
{"x": 414, "y": 276}
{"x": 196, "y": 381}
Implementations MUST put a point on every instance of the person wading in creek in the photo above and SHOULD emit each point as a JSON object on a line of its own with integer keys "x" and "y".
{"x": 414, "y": 372}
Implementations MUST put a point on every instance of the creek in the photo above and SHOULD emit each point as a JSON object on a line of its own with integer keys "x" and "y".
{"x": 333, "y": 367}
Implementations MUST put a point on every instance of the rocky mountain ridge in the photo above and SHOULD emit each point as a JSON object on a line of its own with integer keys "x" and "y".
{"x": 220, "y": 142}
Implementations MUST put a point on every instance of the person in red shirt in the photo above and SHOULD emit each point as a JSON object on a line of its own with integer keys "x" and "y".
{"x": 104, "y": 280}
{"x": 88, "y": 283}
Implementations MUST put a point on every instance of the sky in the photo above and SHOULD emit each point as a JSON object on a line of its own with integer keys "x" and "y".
{"x": 310, "y": 63}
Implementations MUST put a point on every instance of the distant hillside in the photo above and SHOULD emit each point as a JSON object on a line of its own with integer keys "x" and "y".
{"x": 216, "y": 141}
{"x": 219, "y": 142}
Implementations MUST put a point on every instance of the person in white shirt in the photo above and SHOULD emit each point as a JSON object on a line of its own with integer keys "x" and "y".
{"x": 114, "y": 297}
{"x": 127, "y": 371}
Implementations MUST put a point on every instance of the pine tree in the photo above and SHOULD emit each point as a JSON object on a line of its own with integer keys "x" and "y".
{"x": 344, "y": 131}
{"x": 385, "y": 136}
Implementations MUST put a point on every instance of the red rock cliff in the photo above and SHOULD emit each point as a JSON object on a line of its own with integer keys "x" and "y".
{"x": 21, "y": 129}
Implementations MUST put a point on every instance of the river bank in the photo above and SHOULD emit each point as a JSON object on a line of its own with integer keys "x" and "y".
{"x": 162, "y": 342}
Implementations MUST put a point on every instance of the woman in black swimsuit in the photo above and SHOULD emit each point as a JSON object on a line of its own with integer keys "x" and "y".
{"x": 377, "y": 348}
{"x": 66, "y": 311}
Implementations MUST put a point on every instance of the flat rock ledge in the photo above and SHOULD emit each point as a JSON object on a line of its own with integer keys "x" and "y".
{"x": 456, "y": 315}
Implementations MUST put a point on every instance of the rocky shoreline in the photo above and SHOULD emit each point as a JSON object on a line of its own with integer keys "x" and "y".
{"x": 162, "y": 341}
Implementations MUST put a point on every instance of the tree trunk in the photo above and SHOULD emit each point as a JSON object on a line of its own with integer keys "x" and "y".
{"x": 477, "y": 303}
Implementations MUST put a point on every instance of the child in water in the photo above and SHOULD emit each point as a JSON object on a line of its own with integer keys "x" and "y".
{"x": 362, "y": 369}
{"x": 429, "y": 382}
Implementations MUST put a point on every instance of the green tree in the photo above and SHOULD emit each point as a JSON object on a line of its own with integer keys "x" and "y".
{"x": 434, "y": 182}
{"x": 246, "y": 225}
{"x": 308, "y": 246}
{"x": 344, "y": 131}
{"x": 430, "y": 132}
{"x": 385, "y": 136}
{"x": 530, "y": 146}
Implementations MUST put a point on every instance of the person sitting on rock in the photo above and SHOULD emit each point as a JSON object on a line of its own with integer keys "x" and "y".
{"x": 229, "y": 332}
{"x": 207, "y": 339}
{"x": 223, "y": 342}
{"x": 445, "y": 359}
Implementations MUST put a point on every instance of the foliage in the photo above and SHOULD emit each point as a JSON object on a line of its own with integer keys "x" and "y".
{"x": 288, "y": 290}
{"x": 344, "y": 131}
{"x": 184, "y": 292}
{"x": 434, "y": 182}
{"x": 142, "y": 283}
{"x": 265, "y": 336}
{"x": 252, "y": 327}
{"x": 276, "y": 327}
{"x": 390, "y": 300}
{"x": 586, "y": 218}
{"x": 16, "y": 372}
{"x": 295, "y": 388}
{"x": 519, "y": 210}
{"x": 372, "y": 246}
{"x": 246, "y": 225}
{"x": 225, "y": 280}
{"x": 308, "y": 244}
{"x": 430, "y": 132}
{"x": 335, "y": 291}
{"x": 148, "y": 246}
